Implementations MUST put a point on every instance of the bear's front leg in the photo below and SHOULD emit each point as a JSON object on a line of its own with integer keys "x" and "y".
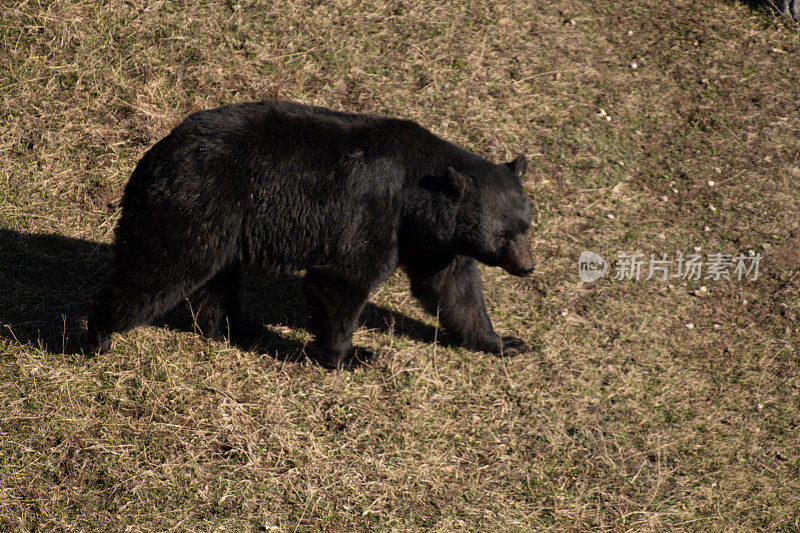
{"x": 334, "y": 305}
{"x": 452, "y": 287}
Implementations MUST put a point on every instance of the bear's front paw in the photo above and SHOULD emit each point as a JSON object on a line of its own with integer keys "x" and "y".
{"x": 349, "y": 361}
{"x": 511, "y": 346}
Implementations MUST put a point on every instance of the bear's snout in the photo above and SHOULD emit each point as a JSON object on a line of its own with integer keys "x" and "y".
{"x": 518, "y": 260}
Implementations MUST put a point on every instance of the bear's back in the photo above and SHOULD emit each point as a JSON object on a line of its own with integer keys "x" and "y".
{"x": 331, "y": 180}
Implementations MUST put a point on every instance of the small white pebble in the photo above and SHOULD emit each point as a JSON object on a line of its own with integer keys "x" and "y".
{"x": 610, "y": 216}
{"x": 664, "y": 198}
{"x": 601, "y": 112}
{"x": 713, "y": 209}
{"x": 711, "y": 183}
{"x": 717, "y": 326}
{"x": 706, "y": 228}
{"x": 638, "y": 132}
{"x": 629, "y": 32}
{"x": 760, "y": 406}
{"x": 608, "y": 119}
{"x": 744, "y": 302}
{"x": 675, "y": 190}
{"x": 703, "y": 288}
{"x": 672, "y": 183}
{"x": 564, "y": 312}
{"x": 634, "y": 65}
{"x": 718, "y": 170}
{"x": 697, "y": 248}
{"x": 690, "y": 325}
{"x": 662, "y": 236}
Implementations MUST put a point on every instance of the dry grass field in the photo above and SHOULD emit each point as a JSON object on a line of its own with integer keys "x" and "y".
{"x": 646, "y": 405}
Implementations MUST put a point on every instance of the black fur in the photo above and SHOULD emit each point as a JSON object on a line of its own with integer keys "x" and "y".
{"x": 348, "y": 197}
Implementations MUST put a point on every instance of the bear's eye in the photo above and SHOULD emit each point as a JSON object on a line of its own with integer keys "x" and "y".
{"x": 501, "y": 242}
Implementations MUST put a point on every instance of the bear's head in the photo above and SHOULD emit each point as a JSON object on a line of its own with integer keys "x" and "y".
{"x": 494, "y": 215}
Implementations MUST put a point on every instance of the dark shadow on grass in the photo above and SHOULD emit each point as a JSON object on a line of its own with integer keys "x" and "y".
{"x": 46, "y": 281}
{"x": 279, "y": 300}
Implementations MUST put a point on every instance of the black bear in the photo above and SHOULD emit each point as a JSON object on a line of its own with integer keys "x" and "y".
{"x": 347, "y": 197}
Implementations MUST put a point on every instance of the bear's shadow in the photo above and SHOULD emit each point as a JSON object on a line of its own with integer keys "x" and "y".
{"x": 46, "y": 281}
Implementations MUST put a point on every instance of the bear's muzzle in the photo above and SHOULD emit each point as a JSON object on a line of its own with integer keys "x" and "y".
{"x": 518, "y": 260}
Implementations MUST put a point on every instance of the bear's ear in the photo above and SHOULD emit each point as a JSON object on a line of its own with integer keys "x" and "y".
{"x": 456, "y": 182}
{"x": 518, "y": 165}
{"x": 453, "y": 184}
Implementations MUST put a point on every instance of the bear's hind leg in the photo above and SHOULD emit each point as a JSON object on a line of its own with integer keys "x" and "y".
{"x": 121, "y": 307}
{"x": 138, "y": 292}
{"x": 334, "y": 305}
{"x": 214, "y": 307}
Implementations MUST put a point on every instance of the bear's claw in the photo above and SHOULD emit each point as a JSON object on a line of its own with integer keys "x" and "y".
{"x": 511, "y": 346}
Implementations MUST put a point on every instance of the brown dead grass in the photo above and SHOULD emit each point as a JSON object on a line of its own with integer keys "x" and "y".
{"x": 623, "y": 419}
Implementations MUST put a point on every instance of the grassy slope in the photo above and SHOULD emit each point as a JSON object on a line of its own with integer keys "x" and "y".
{"x": 624, "y": 418}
